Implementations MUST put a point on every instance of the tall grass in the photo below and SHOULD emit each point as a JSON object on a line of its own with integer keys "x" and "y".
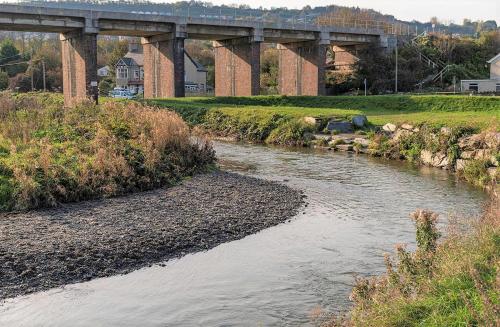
{"x": 51, "y": 154}
{"x": 452, "y": 283}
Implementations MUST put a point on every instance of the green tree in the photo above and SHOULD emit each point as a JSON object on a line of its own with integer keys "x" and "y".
{"x": 4, "y": 81}
{"x": 8, "y": 51}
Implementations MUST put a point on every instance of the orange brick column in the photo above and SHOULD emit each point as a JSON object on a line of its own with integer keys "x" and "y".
{"x": 237, "y": 67}
{"x": 79, "y": 65}
{"x": 302, "y": 68}
{"x": 164, "y": 72}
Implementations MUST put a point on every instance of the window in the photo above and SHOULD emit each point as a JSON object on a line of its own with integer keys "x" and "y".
{"x": 137, "y": 74}
{"x": 122, "y": 73}
{"x": 141, "y": 73}
{"x": 498, "y": 88}
{"x": 474, "y": 87}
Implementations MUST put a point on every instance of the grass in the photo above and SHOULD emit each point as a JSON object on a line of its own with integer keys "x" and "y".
{"x": 51, "y": 154}
{"x": 451, "y": 111}
{"x": 451, "y": 283}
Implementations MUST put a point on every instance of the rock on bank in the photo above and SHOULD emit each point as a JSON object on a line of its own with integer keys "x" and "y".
{"x": 77, "y": 242}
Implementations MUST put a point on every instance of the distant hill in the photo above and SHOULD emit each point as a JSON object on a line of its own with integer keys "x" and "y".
{"x": 306, "y": 14}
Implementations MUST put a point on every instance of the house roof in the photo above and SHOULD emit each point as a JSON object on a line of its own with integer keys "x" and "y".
{"x": 494, "y": 59}
{"x": 137, "y": 59}
{"x": 199, "y": 67}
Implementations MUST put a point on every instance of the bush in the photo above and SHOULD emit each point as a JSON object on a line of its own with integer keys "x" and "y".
{"x": 293, "y": 133}
{"x": 58, "y": 154}
{"x": 4, "y": 80}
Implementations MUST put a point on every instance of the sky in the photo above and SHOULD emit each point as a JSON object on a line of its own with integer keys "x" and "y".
{"x": 421, "y": 10}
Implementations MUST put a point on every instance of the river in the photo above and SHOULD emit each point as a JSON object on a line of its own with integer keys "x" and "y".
{"x": 358, "y": 209}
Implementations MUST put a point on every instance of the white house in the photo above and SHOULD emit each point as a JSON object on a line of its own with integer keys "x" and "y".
{"x": 103, "y": 71}
{"x": 491, "y": 85}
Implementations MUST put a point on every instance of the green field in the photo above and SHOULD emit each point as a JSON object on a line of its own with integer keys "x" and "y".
{"x": 452, "y": 111}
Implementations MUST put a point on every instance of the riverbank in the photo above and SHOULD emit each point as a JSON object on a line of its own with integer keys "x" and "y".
{"x": 447, "y": 282}
{"x": 457, "y": 133}
{"x": 82, "y": 241}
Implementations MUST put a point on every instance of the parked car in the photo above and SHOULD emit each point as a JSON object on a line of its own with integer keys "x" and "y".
{"x": 121, "y": 94}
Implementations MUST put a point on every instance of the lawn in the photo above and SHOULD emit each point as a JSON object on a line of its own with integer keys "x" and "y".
{"x": 452, "y": 111}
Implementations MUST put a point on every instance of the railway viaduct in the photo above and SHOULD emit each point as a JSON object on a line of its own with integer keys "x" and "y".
{"x": 236, "y": 45}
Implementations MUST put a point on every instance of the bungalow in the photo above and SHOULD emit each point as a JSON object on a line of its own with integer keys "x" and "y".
{"x": 491, "y": 85}
{"x": 130, "y": 72}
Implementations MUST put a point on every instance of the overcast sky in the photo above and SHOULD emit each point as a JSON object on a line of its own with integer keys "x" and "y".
{"x": 422, "y": 10}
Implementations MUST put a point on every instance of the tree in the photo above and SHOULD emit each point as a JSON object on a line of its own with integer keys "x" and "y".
{"x": 8, "y": 51}
{"x": 4, "y": 81}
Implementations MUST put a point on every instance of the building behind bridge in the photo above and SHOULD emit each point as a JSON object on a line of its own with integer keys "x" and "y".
{"x": 130, "y": 72}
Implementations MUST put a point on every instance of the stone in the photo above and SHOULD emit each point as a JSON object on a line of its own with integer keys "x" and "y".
{"x": 360, "y": 121}
{"x": 492, "y": 140}
{"x": 322, "y": 137}
{"x": 340, "y": 126}
{"x": 460, "y": 164}
{"x": 472, "y": 142}
{"x": 400, "y": 133}
{"x": 494, "y": 161}
{"x": 361, "y": 141}
{"x": 344, "y": 147}
{"x": 468, "y": 154}
{"x": 426, "y": 157}
{"x": 445, "y": 130}
{"x": 440, "y": 160}
{"x": 493, "y": 172}
{"x": 407, "y": 127}
{"x": 483, "y": 154}
{"x": 389, "y": 127}
{"x": 311, "y": 120}
{"x": 416, "y": 129}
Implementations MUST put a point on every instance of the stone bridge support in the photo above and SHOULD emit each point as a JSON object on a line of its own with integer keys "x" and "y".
{"x": 302, "y": 68}
{"x": 164, "y": 64}
{"x": 237, "y": 67}
{"x": 79, "y": 64}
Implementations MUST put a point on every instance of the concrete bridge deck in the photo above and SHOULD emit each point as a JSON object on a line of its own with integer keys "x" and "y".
{"x": 237, "y": 47}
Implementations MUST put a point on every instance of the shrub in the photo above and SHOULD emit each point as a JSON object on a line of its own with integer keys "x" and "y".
{"x": 293, "y": 132}
{"x": 476, "y": 172}
{"x": 58, "y": 154}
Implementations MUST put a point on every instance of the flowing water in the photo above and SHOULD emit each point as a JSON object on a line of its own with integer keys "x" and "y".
{"x": 358, "y": 209}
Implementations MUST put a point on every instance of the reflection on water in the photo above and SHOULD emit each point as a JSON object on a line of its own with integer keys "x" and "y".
{"x": 358, "y": 209}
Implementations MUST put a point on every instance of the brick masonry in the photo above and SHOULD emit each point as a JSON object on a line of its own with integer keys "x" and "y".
{"x": 302, "y": 68}
{"x": 164, "y": 68}
{"x": 79, "y": 61}
{"x": 237, "y": 68}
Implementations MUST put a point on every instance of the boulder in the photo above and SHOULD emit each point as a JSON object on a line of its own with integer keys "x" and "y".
{"x": 311, "y": 120}
{"x": 472, "y": 142}
{"x": 344, "y": 147}
{"x": 361, "y": 141}
{"x": 389, "y": 127}
{"x": 460, "y": 164}
{"x": 426, "y": 157}
{"x": 340, "y": 126}
{"x": 440, "y": 160}
{"x": 492, "y": 140}
{"x": 360, "y": 121}
{"x": 483, "y": 154}
{"x": 468, "y": 154}
{"x": 322, "y": 137}
{"x": 445, "y": 130}
{"x": 493, "y": 172}
{"x": 400, "y": 133}
{"x": 408, "y": 127}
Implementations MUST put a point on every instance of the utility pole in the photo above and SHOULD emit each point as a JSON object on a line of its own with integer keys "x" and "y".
{"x": 396, "y": 79}
{"x": 44, "y": 79}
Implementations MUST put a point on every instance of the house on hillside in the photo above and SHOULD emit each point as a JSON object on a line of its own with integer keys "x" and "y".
{"x": 130, "y": 72}
{"x": 485, "y": 85}
{"x": 103, "y": 71}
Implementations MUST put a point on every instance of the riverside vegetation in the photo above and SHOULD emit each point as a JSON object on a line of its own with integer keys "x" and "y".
{"x": 454, "y": 282}
{"x": 459, "y": 133}
{"x": 51, "y": 154}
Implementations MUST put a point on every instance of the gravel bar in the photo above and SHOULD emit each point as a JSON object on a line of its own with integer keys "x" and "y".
{"x": 77, "y": 242}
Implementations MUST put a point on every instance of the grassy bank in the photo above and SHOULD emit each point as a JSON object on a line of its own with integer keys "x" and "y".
{"x": 452, "y": 111}
{"x": 454, "y": 282}
{"x": 50, "y": 154}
